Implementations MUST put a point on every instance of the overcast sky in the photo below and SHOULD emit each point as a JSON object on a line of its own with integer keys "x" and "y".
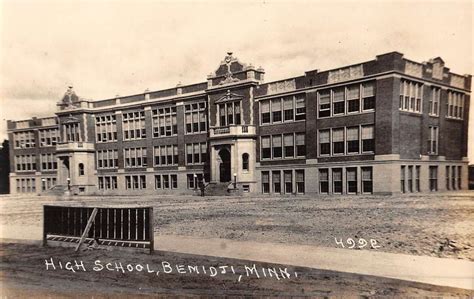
{"x": 105, "y": 48}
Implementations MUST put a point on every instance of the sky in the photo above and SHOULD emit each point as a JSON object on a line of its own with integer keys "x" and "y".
{"x": 109, "y": 48}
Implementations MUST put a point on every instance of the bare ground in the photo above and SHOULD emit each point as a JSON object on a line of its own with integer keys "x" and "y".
{"x": 438, "y": 225}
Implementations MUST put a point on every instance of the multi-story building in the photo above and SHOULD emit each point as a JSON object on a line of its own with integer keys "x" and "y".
{"x": 384, "y": 126}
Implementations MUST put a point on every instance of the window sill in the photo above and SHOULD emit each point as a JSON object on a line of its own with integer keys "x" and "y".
{"x": 348, "y": 114}
{"x": 282, "y": 123}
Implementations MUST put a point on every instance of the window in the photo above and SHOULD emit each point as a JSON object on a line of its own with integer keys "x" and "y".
{"x": 417, "y": 178}
{"x": 299, "y": 174}
{"x": 368, "y": 142}
{"x": 324, "y": 143}
{"x": 107, "y": 182}
{"x": 229, "y": 114}
{"x": 164, "y": 122}
{"x": 47, "y": 183}
{"x": 48, "y": 162}
{"x": 368, "y": 96}
{"x": 300, "y": 108}
{"x": 265, "y": 182}
{"x": 339, "y": 104}
{"x": 353, "y": 98}
{"x": 324, "y": 181}
{"x": 266, "y": 149}
{"x": 410, "y": 96}
{"x": 433, "y": 180}
{"x": 133, "y": 125}
{"x": 106, "y": 128}
{"x": 448, "y": 178}
{"x": 265, "y": 112}
{"x": 324, "y": 103}
{"x": 196, "y": 117}
{"x": 402, "y": 179}
{"x": 338, "y": 141}
{"x": 25, "y": 163}
{"x": 135, "y": 182}
{"x": 289, "y": 146}
{"x": 337, "y": 180}
{"x": 454, "y": 177}
{"x": 351, "y": 177}
{"x": 195, "y": 180}
{"x": 288, "y": 177}
{"x": 455, "y": 104}
{"x": 276, "y": 179}
{"x": 25, "y": 139}
{"x": 433, "y": 141}
{"x": 135, "y": 157}
{"x": 48, "y": 137}
{"x": 196, "y": 153}
{"x": 288, "y": 108}
{"x": 81, "y": 169}
{"x": 166, "y": 181}
{"x": 26, "y": 185}
{"x": 353, "y": 140}
{"x": 410, "y": 178}
{"x": 107, "y": 159}
{"x": 276, "y": 146}
{"x": 72, "y": 132}
{"x": 300, "y": 144}
{"x": 459, "y": 177}
{"x": 165, "y": 155}
{"x": 276, "y": 111}
{"x": 434, "y": 101}
{"x": 245, "y": 162}
{"x": 367, "y": 183}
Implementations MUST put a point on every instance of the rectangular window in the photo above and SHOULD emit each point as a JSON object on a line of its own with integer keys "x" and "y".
{"x": 27, "y": 139}
{"x": 106, "y": 128}
{"x": 352, "y": 140}
{"x": 265, "y": 112}
{"x": 353, "y": 98}
{"x": 324, "y": 103}
{"x": 299, "y": 178}
{"x": 338, "y": 141}
{"x": 48, "y": 137}
{"x": 158, "y": 182}
{"x": 266, "y": 149}
{"x": 402, "y": 179}
{"x": 324, "y": 143}
{"x": 339, "y": 104}
{"x": 324, "y": 181}
{"x": 289, "y": 145}
{"x": 459, "y": 177}
{"x": 107, "y": 159}
{"x": 454, "y": 177}
{"x": 337, "y": 180}
{"x": 165, "y": 155}
{"x": 276, "y": 111}
{"x": 455, "y": 105}
{"x": 433, "y": 178}
{"x": 174, "y": 181}
{"x": 265, "y": 182}
{"x": 351, "y": 177}
{"x": 133, "y": 124}
{"x": 135, "y": 157}
{"x": 196, "y": 153}
{"x": 368, "y": 96}
{"x": 166, "y": 181}
{"x": 410, "y": 178}
{"x": 417, "y": 178}
{"x": 276, "y": 179}
{"x": 48, "y": 162}
{"x": 288, "y": 108}
{"x": 107, "y": 182}
{"x": 288, "y": 178}
{"x": 367, "y": 181}
{"x": 300, "y": 108}
{"x": 410, "y": 96}
{"x": 276, "y": 146}
{"x": 368, "y": 141}
{"x": 164, "y": 121}
{"x": 433, "y": 141}
{"x": 434, "y": 101}
{"x": 300, "y": 144}
{"x": 135, "y": 182}
{"x": 448, "y": 178}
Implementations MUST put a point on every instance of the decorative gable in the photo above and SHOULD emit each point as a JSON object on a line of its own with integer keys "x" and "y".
{"x": 229, "y": 97}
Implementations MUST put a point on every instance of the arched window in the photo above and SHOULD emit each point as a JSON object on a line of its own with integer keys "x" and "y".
{"x": 245, "y": 161}
{"x": 81, "y": 169}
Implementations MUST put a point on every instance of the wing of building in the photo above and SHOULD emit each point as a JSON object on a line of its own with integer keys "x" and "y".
{"x": 384, "y": 126}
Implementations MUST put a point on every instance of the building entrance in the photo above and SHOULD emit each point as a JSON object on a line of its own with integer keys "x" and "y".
{"x": 224, "y": 166}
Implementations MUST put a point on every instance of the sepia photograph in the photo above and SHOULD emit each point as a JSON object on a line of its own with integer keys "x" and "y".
{"x": 236, "y": 149}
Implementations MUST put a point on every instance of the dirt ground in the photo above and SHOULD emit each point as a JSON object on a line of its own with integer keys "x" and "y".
{"x": 23, "y": 274}
{"x": 439, "y": 225}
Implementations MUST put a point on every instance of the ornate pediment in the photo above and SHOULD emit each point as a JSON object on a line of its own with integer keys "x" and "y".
{"x": 70, "y": 100}
{"x": 229, "y": 97}
{"x": 70, "y": 120}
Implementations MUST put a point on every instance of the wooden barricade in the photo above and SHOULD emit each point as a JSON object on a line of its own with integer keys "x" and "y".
{"x": 123, "y": 227}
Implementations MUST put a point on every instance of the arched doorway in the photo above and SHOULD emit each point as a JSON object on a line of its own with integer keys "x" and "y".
{"x": 224, "y": 166}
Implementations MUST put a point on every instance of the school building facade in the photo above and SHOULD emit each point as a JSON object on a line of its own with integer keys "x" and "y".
{"x": 385, "y": 126}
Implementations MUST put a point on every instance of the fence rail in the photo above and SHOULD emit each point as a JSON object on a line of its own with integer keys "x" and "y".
{"x": 131, "y": 227}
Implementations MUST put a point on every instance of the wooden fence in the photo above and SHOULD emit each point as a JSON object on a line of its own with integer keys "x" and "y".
{"x": 124, "y": 227}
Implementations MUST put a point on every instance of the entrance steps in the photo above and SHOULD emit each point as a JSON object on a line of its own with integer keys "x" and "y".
{"x": 57, "y": 190}
{"x": 219, "y": 189}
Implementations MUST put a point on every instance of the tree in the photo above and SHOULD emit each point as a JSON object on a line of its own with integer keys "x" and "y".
{"x": 4, "y": 167}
